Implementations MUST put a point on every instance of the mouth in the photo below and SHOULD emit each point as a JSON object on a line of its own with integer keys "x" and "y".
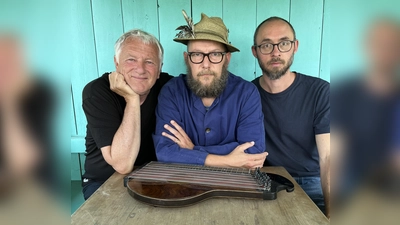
{"x": 275, "y": 63}
{"x": 206, "y": 75}
{"x": 139, "y": 78}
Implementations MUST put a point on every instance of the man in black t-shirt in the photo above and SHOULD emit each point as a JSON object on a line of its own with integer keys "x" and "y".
{"x": 120, "y": 110}
{"x": 296, "y": 111}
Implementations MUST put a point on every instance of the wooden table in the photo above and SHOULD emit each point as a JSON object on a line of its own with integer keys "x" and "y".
{"x": 111, "y": 204}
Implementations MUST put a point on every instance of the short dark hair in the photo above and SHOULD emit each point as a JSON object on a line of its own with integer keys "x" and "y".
{"x": 273, "y": 18}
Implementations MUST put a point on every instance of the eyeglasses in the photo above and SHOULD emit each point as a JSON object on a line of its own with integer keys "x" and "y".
{"x": 267, "y": 48}
{"x": 213, "y": 57}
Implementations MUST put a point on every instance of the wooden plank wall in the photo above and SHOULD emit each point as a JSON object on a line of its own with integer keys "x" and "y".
{"x": 99, "y": 23}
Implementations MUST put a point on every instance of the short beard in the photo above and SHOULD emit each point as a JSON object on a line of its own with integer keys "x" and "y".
{"x": 210, "y": 91}
{"x": 276, "y": 74}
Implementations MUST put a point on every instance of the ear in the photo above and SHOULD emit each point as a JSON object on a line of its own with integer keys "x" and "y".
{"x": 254, "y": 51}
{"x": 160, "y": 70}
{"x": 115, "y": 63}
{"x": 228, "y": 57}
{"x": 296, "y": 46}
{"x": 185, "y": 57}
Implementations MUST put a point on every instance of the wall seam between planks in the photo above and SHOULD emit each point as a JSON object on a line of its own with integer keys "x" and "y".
{"x": 94, "y": 39}
{"x": 158, "y": 21}
{"x": 322, "y": 36}
{"x": 122, "y": 16}
{"x": 73, "y": 109}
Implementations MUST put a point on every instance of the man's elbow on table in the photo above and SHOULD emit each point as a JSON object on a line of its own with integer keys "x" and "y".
{"x": 122, "y": 166}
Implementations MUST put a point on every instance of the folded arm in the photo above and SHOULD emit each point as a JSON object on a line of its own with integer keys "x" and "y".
{"x": 323, "y": 145}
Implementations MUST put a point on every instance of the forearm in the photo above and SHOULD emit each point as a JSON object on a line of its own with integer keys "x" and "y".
{"x": 172, "y": 153}
{"x": 126, "y": 142}
{"x": 325, "y": 182}
{"x": 217, "y": 149}
{"x": 217, "y": 161}
{"x": 323, "y": 145}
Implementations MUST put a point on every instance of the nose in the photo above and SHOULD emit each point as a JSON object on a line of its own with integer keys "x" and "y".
{"x": 140, "y": 67}
{"x": 206, "y": 62}
{"x": 275, "y": 51}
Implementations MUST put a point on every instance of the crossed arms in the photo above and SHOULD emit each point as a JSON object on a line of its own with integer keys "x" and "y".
{"x": 178, "y": 138}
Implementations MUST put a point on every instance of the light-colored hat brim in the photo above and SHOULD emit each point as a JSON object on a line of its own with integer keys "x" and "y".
{"x": 208, "y": 28}
{"x": 230, "y": 47}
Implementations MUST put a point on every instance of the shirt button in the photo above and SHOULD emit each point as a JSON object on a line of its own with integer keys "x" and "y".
{"x": 208, "y": 130}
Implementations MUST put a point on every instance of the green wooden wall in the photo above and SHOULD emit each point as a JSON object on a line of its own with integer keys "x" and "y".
{"x": 99, "y": 23}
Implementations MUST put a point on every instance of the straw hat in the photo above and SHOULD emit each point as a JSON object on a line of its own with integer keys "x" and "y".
{"x": 209, "y": 28}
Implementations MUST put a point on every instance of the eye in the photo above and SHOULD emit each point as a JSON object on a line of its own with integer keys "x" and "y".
{"x": 285, "y": 43}
{"x": 131, "y": 60}
{"x": 196, "y": 54}
{"x": 266, "y": 46}
{"x": 149, "y": 62}
{"x": 215, "y": 54}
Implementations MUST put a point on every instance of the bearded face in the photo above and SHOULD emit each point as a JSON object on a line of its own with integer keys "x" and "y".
{"x": 207, "y": 83}
{"x": 276, "y": 67}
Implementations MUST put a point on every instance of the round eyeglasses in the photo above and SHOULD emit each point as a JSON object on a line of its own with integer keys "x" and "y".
{"x": 267, "y": 48}
{"x": 213, "y": 57}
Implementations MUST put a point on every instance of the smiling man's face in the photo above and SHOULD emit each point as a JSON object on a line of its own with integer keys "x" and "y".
{"x": 140, "y": 65}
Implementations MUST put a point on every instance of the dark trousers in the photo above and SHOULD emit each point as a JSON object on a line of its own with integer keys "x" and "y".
{"x": 312, "y": 187}
{"x": 89, "y": 187}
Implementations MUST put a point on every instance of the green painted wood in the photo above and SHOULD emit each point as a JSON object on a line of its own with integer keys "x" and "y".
{"x": 170, "y": 17}
{"x": 78, "y": 144}
{"x": 72, "y": 117}
{"x": 140, "y": 15}
{"x": 266, "y": 9}
{"x": 75, "y": 169}
{"x": 82, "y": 157}
{"x": 241, "y": 30}
{"x": 306, "y": 18}
{"x": 325, "y": 69}
{"x": 83, "y": 64}
{"x": 76, "y": 195}
{"x": 108, "y": 27}
{"x": 209, "y": 7}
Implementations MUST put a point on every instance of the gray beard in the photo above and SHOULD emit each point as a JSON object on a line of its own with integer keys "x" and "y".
{"x": 276, "y": 74}
{"x": 210, "y": 91}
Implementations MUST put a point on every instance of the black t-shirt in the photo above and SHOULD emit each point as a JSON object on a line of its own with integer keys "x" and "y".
{"x": 104, "y": 110}
{"x": 292, "y": 118}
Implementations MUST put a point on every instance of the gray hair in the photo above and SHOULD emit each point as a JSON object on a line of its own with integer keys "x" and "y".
{"x": 145, "y": 37}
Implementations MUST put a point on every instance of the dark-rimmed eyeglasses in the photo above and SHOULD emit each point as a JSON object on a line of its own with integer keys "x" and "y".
{"x": 213, "y": 57}
{"x": 268, "y": 48}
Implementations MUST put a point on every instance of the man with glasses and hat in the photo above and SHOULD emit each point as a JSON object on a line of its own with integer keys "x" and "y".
{"x": 296, "y": 111}
{"x": 209, "y": 116}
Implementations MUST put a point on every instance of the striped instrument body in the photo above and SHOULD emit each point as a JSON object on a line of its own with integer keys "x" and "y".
{"x": 174, "y": 185}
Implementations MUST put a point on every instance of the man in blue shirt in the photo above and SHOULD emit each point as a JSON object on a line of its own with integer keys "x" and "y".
{"x": 209, "y": 116}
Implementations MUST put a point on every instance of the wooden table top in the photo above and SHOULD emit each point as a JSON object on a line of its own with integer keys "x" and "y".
{"x": 111, "y": 204}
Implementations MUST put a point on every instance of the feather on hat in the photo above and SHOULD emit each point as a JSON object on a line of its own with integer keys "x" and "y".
{"x": 208, "y": 28}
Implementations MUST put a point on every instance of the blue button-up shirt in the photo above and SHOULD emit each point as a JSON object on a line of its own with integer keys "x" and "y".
{"x": 235, "y": 117}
